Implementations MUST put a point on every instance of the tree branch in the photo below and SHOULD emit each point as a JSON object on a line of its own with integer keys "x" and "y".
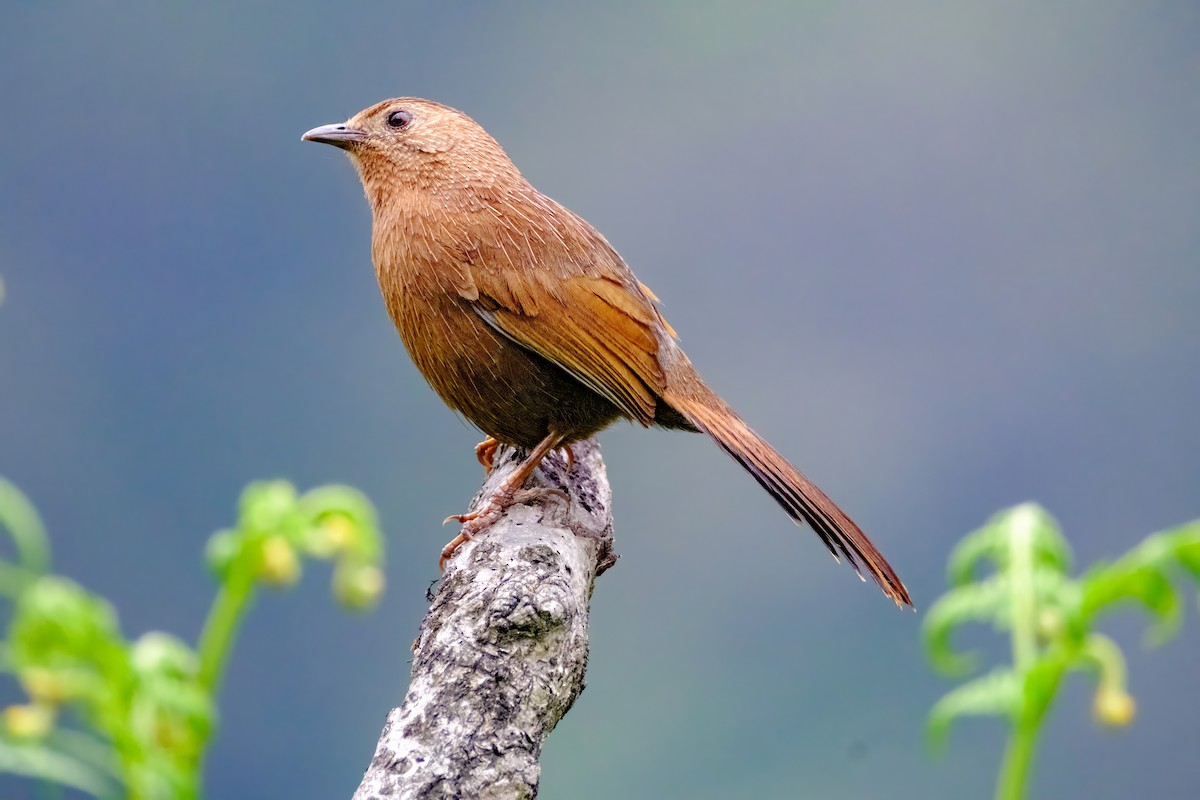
{"x": 502, "y": 653}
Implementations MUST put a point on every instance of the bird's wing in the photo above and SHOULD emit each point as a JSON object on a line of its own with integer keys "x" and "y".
{"x": 588, "y": 315}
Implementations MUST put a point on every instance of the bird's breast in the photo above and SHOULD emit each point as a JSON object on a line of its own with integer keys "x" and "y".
{"x": 506, "y": 390}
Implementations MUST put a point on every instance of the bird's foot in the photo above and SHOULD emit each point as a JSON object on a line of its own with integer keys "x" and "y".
{"x": 476, "y": 522}
{"x": 570, "y": 457}
{"x": 451, "y": 548}
{"x": 485, "y": 451}
{"x": 526, "y": 495}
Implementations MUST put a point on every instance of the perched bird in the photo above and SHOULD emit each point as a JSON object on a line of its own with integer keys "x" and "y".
{"x": 523, "y": 318}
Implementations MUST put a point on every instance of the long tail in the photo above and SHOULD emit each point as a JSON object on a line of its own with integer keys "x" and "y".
{"x": 800, "y": 498}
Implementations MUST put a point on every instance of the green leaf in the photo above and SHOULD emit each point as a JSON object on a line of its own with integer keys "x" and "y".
{"x": 1185, "y": 544}
{"x": 21, "y": 520}
{"x": 996, "y": 694}
{"x": 223, "y": 548}
{"x": 1118, "y": 582}
{"x": 44, "y": 763}
{"x": 991, "y": 542}
{"x": 1041, "y": 681}
{"x": 87, "y": 748}
{"x": 57, "y": 622}
{"x": 986, "y": 543}
{"x": 1052, "y": 588}
{"x": 977, "y": 602}
{"x": 266, "y": 507}
{"x": 146, "y": 706}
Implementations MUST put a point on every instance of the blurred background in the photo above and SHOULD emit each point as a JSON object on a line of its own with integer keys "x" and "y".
{"x": 944, "y": 256}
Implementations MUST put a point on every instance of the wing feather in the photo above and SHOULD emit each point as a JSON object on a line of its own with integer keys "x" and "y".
{"x": 591, "y": 330}
{"x": 545, "y": 279}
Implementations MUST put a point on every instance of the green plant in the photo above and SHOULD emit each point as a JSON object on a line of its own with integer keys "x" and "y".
{"x": 112, "y": 717}
{"x": 1051, "y": 618}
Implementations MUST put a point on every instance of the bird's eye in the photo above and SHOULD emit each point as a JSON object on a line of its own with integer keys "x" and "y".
{"x": 398, "y": 120}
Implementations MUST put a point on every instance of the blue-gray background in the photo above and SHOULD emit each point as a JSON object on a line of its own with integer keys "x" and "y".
{"x": 945, "y": 256}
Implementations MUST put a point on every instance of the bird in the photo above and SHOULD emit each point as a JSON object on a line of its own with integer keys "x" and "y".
{"x": 524, "y": 319}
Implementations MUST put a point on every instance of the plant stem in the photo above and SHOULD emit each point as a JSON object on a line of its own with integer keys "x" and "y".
{"x": 216, "y": 639}
{"x": 220, "y": 629}
{"x": 1018, "y": 757}
{"x": 1014, "y": 773}
{"x": 1024, "y": 603}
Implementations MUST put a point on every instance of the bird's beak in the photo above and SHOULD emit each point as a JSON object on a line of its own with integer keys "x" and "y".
{"x": 342, "y": 135}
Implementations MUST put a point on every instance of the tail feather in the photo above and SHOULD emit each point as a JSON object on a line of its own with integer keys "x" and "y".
{"x": 798, "y": 496}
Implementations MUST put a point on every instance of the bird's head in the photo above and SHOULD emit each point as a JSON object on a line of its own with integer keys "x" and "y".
{"x": 418, "y": 145}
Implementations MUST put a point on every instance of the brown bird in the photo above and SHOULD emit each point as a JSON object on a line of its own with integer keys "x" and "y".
{"x": 523, "y": 318}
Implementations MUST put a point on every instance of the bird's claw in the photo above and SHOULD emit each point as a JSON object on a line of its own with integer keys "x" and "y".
{"x": 451, "y": 547}
{"x": 474, "y": 523}
{"x": 485, "y": 452}
{"x": 477, "y": 521}
{"x": 527, "y": 495}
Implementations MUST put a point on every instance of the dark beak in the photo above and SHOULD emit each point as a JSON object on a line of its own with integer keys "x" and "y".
{"x": 342, "y": 136}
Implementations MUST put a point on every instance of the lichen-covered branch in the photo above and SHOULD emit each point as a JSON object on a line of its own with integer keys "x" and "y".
{"x": 502, "y": 653}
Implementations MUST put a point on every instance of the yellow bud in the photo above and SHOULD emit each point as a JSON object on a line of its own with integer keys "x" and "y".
{"x": 1113, "y": 707}
{"x": 1049, "y": 623}
{"x": 29, "y": 722}
{"x": 340, "y": 531}
{"x": 45, "y": 686}
{"x": 280, "y": 565}
{"x": 358, "y": 587}
{"x": 170, "y": 736}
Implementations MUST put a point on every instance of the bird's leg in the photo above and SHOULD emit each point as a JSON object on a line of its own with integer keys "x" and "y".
{"x": 485, "y": 451}
{"x": 570, "y": 457}
{"x": 475, "y": 522}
